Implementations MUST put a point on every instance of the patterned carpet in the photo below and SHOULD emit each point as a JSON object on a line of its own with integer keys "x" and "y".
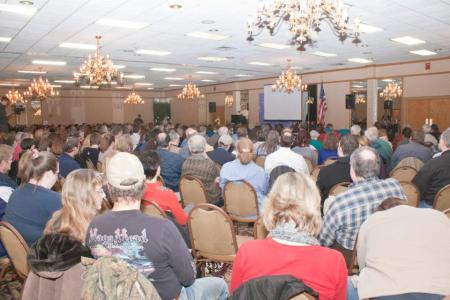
{"x": 10, "y": 286}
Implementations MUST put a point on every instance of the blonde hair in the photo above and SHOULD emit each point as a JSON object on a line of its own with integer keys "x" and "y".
{"x": 294, "y": 198}
{"x": 79, "y": 204}
{"x": 244, "y": 147}
{"x": 123, "y": 143}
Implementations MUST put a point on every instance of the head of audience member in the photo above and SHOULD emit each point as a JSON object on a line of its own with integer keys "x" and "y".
{"x": 71, "y": 146}
{"x": 390, "y": 203}
{"x": 197, "y": 144}
{"x": 371, "y": 133}
{"x": 103, "y": 129}
{"x": 190, "y": 132}
{"x": 277, "y": 172}
{"x": 294, "y": 198}
{"x": 347, "y": 145}
{"x": 125, "y": 176}
{"x": 163, "y": 140}
{"x": 272, "y": 141}
{"x": 95, "y": 139}
{"x": 382, "y": 134}
{"x": 314, "y": 134}
{"x": 242, "y": 132}
{"x": 223, "y": 131}
{"x": 4, "y": 101}
{"x": 202, "y": 130}
{"x": 329, "y": 128}
{"x": 244, "y": 150}
{"x": 303, "y": 138}
{"x": 6, "y": 153}
{"x": 28, "y": 144}
{"x": 38, "y": 168}
{"x": 364, "y": 164}
{"x": 38, "y": 133}
{"x": 81, "y": 197}
{"x": 418, "y": 136}
{"x": 426, "y": 128}
{"x": 355, "y": 130}
{"x": 286, "y": 138}
{"x": 116, "y": 131}
{"x": 444, "y": 141}
{"x": 106, "y": 141}
{"x": 363, "y": 141}
{"x": 330, "y": 142}
{"x": 407, "y": 132}
{"x": 225, "y": 141}
{"x": 174, "y": 138}
{"x": 151, "y": 163}
{"x": 123, "y": 143}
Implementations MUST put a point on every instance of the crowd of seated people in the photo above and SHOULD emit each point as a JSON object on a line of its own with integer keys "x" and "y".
{"x": 80, "y": 188}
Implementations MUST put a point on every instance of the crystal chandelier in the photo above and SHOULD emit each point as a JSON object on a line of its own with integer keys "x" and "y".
{"x": 40, "y": 89}
{"x": 391, "y": 91}
{"x": 190, "y": 92}
{"x": 229, "y": 100}
{"x": 360, "y": 99}
{"x": 133, "y": 98}
{"x": 98, "y": 70}
{"x": 289, "y": 81}
{"x": 15, "y": 97}
{"x": 303, "y": 18}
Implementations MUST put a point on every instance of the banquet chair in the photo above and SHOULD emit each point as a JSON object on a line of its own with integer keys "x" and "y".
{"x": 309, "y": 163}
{"x": 412, "y": 193}
{"x": 260, "y": 231}
{"x": 153, "y": 209}
{"x": 447, "y": 212}
{"x": 192, "y": 191}
{"x": 240, "y": 201}
{"x": 412, "y": 162}
{"x": 315, "y": 173}
{"x": 403, "y": 173}
{"x": 260, "y": 160}
{"x": 442, "y": 199}
{"x": 16, "y": 247}
{"x": 339, "y": 188}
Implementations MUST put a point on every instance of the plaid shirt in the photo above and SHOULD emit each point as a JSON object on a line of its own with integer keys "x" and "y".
{"x": 351, "y": 208}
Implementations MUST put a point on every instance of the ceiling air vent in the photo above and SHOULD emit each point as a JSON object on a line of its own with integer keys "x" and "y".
{"x": 224, "y": 48}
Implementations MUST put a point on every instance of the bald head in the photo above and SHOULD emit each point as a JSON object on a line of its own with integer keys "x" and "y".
{"x": 190, "y": 132}
{"x": 365, "y": 163}
{"x": 162, "y": 140}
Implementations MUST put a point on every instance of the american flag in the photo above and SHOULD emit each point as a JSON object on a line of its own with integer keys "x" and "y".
{"x": 322, "y": 105}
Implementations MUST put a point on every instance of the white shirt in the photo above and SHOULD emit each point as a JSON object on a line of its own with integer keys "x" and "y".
{"x": 135, "y": 137}
{"x": 284, "y": 156}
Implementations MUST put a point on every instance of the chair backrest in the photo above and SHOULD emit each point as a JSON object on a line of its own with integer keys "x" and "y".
{"x": 192, "y": 190}
{"x": 412, "y": 193}
{"x": 211, "y": 232}
{"x": 412, "y": 162}
{"x": 16, "y": 247}
{"x": 241, "y": 202}
{"x": 447, "y": 212}
{"x": 338, "y": 188}
{"x": 90, "y": 165}
{"x": 329, "y": 161}
{"x": 442, "y": 199}
{"x": 403, "y": 173}
{"x": 152, "y": 209}
{"x": 260, "y": 160}
{"x": 309, "y": 163}
{"x": 315, "y": 173}
{"x": 260, "y": 231}
{"x": 303, "y": 296}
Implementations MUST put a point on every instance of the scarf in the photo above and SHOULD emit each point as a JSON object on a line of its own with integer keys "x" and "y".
{"x": 289, "y": 232}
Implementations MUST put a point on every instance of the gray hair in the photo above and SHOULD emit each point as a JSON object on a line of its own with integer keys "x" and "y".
{"x": 162, "y": 140}
{"x": 197, "y": 144}
{"x": 365, "y": 162}
{"x": 426, "y": 128}
{"x": 222, "y": 131}
{"x": 371, "y": 133}
{"x": 445, "y": 136}
{"x": 174, "y": 136}
{"x": 355, "y": 130}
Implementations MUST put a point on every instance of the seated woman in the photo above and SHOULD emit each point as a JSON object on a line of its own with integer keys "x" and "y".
{"x": 243, "y": 168}
{"x": 270, "y": 145}
{"x": 292, "y": 216}
{"x": 33, "y": 203}
{"x": 60, "y": 250}
{"x": 304, "y": 148}
{"x": 403, "y": 254}
{"x": 329, "y": 149}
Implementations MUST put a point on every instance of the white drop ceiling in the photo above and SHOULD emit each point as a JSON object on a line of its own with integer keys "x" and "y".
{"x": 37, "y": 37}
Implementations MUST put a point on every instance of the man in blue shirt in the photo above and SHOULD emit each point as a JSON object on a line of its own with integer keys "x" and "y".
{"x": 171, "y": 163}
{"x": 67, "y": 163}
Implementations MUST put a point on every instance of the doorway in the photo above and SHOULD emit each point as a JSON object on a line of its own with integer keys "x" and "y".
{"x": 161, "y": 111}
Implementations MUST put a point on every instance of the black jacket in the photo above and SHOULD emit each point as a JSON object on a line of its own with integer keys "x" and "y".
{"x": 280, "y": 287}
{"x": 335, "y": 173}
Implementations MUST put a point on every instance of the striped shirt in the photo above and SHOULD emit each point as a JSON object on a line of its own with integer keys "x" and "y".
{"x": 351, "y": 208}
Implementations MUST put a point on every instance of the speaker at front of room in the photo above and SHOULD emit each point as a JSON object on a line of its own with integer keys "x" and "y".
{"x": 212, "y": 107}
{"x": 350, "y": 101}
{"x": 388, "y": 104}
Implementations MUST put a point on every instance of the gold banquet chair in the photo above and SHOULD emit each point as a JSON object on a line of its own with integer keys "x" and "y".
{"x": 192, "y": 191}
{"x": 260, "y": 231}
{"x": 442, "y": 199}
{"x": 339, "y": 188}
{"x": 152, "y": 209}
{"x": 241, "y": 202}
{"x": 412, "y": 193}
{"x": 16, "y": 247}
{"x": 403, "y": 173}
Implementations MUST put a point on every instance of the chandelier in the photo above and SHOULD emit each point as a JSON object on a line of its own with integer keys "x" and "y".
{"x": 391, "y": 91}
{"x": 190, "y": 92}
{"x": 289, "y": 81}
{"x": 303, "y": 18}
{"x": 360, "y": 99}
{"x": 133, "y": 98}
{"x": 98, "y": 70}
{"x": 15, "y": 97}
{"x": 40, "y": 89}
{"x": 229, "y": 99}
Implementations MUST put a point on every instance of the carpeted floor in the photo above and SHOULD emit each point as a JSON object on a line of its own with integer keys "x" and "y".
{"x": 10, "y": 287}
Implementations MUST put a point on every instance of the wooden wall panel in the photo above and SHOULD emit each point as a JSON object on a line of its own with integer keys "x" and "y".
{"x": 419, "y": 109}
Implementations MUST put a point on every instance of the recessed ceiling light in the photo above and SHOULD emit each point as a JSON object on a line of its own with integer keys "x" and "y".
{"x": 360, "y": 60}
{"x": 173, "y": 78}
{"x": 357, "y": 86}
{"x": 32, "y": 72}
{"x": 18, "y": 9}
{"x": 49, "y": 62}
{"x": 56, "y": 85}
{"x": 150, "y": 88}
{"x": 126, "y": 87}
{"x": 175, "y": 6}
{"x": 387, "y": 80}
{"x": 175, "y": 85}
{"x": 207, "y": 80}
{"x": 274, "y": 46}
{"x": 78, "y": 46}
{"x": 324, "y": 54}
{"x": 134, "y": 76}
{"x": 5, "y": 39}
{"x": 206, "y": 72}
{"x": 120, "y": 66}
{"x": 9, "y": 84}
{"x": 258, "y": 63}
{"x": 168, "y": 70}
{"x": 206, "y": 35}
{"x": 88, "y": 87}
{"x": 368, "y": 28}
{"x": 121, "y": 23}
{"x": 242, "y": 75}
{"x": 109, "y": 83}
{"x": 143, "y": 83}
{"x": 296, "y": 68}
{"x": 407, "y": 40}
{"x": 64, "y": 81}
{"x": 24, "y": 2}
{"x": 423, "y": 52}
{"x": 208, "y": 22}
{"x": 153, "y": 52}
{"x": 212, "y": 58}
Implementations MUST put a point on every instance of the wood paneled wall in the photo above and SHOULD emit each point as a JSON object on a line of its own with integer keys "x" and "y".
{"x": 419, "y": 109}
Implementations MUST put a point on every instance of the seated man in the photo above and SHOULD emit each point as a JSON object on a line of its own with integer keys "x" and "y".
{"x": 171, "y": 163}
{"x": 67, "y": 162}
{"x": 92, "y": 152}
{"x": 435, "y": 174}
{"x": 383, "y": 148}
{"x": 401, "y": 254}
{"x": 340, "y": 170}
{"x": 352, "y": 207}
{"x": 221, "y": 155}
{"x": 184, "y": 151}
{"x": 284, "y": 156}
{"x": 201, "y": 167}
{"x": 152, "y": 245}
{"x": 414, "y": 148}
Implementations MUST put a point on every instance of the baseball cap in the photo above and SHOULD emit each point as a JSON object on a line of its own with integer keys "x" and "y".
{"x": 124, "y": 171}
